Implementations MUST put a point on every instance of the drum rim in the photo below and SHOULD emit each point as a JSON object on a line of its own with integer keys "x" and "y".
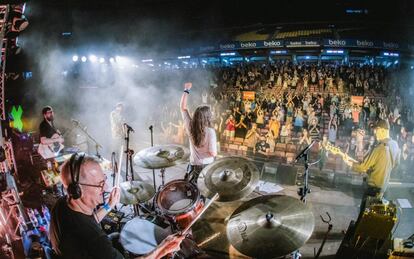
{"x": 181, "y": 211}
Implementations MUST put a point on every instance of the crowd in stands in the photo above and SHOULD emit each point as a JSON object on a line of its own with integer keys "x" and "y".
{"x": 273, "y": 110}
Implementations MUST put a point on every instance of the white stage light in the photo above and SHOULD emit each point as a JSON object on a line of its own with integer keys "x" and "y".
{"x": 101, "y": 60}
{"x": 83, "y": 59}
{"x": 93, "y": 58}
{"x": 75, "y": 58}
{"x": 111, "y": 59}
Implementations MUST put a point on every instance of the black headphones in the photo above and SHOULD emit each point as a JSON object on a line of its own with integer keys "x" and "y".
{"x": 74, "y": 190}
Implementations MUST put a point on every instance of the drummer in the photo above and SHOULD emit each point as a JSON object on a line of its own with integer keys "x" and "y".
{"x": 74, "y": 230}
{"x": 203, "y": 140}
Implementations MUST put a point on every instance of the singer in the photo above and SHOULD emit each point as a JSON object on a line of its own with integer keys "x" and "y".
{"x": 117, "y": 120}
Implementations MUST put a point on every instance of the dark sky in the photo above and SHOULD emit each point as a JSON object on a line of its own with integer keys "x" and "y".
{"x": 182, "y": 16}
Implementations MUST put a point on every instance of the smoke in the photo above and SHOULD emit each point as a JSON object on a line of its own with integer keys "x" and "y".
{"x": 88, "y": 92}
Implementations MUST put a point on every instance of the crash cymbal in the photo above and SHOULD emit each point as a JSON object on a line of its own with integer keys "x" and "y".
{"x": 270, "y": 226}
{"x": 134, "y": 192}
{"x": 231, "y": 177}
{"x": 162, "y": 156}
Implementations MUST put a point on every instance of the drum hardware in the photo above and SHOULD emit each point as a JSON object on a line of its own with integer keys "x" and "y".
{"x": 231, "y": 177}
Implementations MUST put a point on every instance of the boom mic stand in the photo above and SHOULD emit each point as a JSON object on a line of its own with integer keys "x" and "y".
{"x": 83, "y": 129}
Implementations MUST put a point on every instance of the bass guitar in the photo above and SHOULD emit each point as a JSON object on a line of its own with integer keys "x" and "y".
{"x": 337, "y": 151}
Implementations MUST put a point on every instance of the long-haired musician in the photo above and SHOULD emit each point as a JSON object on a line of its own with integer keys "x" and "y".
{"x": 203, "y": 140}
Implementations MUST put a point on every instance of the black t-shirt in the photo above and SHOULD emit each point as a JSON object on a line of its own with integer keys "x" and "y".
{"x": 46, "y": 130}
{"x": 76, "y": 235}
{"x": 262, "y": 146}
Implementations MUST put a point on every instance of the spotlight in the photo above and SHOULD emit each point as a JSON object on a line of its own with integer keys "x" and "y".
{"x": 111, "y": 59}
{"x": 83, "y": 59}
{"x": 75, "y": 58}
{"x": 101, "y": 60}
{"x": 118, "y": 59}
{"x": 93, "y": 58}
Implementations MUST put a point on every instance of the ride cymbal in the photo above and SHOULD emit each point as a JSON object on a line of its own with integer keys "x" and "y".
{"x": 270, "y": 226}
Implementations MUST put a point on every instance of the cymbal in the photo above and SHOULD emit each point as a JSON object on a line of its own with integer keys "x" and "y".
{"x": 270, "y": 226}
{"x": 231, "y": 177}
{"x": 162, "y": 156}
{"x": 134, "y": 192}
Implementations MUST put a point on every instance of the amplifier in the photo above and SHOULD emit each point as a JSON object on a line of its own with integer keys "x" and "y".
{"x": 376, "y": 222}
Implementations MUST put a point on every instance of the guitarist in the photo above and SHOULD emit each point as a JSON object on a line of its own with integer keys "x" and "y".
{"x": 48, "y": 133}
{"x": 379, "y": 163}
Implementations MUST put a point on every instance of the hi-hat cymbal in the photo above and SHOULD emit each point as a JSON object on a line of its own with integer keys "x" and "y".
{"x": 231, "y": 177}
{"x": 270, "y": 226}
{"x": 162, "y": 156}
{"x": 134, "y": 192}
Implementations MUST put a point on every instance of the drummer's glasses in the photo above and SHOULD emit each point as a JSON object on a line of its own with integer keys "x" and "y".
{"x": 101, "y": 184}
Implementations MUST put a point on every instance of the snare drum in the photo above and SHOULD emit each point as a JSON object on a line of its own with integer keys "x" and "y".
{"x": 180, "y": 202}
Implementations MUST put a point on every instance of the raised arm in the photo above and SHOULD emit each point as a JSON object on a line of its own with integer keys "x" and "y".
{"x": 183, "y": 102}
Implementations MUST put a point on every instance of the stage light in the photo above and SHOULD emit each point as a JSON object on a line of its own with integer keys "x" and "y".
{"x": 93, "y": 58}
{"x": 118, "y": 59}
{"x": 102, "y": 60}
{"x": 83, "y": 59}
{"x": 111, "y": 59}
{"x": 75, "y": 58}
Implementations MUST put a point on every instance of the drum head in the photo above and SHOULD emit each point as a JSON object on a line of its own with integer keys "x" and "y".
{"x": 177, "y": 197}
{"x": 140, "y": 236}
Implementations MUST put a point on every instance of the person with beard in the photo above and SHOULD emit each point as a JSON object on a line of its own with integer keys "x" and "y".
{"x": 49, "y": 135}
{"x": 74, "y": 228}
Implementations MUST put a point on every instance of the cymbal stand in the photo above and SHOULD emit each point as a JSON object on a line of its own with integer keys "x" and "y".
{"x": 162, "y": 171}
{"x": 128, "y": 156}
{"x": 152, "y": 144}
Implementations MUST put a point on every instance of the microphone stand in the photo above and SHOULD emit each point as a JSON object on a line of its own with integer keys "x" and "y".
{"x": 303, "y": 191}
{"x": 152, "y": 144}
{"x": 151, "y": 128}
{"x": 97, "y": 145}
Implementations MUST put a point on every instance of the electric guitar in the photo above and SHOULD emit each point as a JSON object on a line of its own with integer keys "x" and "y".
{"x": 51, "y": 150}
{"x": 337, "y": 151}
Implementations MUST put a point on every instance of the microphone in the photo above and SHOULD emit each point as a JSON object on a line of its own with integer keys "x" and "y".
{"x": 128, "y": 127}
{"x": 304, "y": 151}
{"x": 150, "y": 127}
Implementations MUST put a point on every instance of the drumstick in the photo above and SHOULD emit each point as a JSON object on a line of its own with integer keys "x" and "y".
{"x": 117, "y": 176}
{"x": 215, "y": 197}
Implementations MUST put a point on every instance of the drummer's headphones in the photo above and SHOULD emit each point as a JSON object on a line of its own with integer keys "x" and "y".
{"x": 74, "y": 190}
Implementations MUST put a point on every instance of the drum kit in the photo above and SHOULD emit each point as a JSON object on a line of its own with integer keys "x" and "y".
{"x": 268, "y": 226}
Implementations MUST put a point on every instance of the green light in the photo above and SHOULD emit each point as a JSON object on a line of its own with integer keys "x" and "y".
{"x": 17, "y": 117}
